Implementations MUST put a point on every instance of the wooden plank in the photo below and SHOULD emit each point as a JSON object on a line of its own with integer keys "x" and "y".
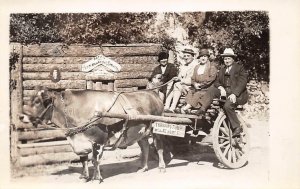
{"x": 81, "y": 76}
{"x": 81, "y": 60}
{"x": 41, "y": 134}
{"x": 48, "y": 158}
{"x": 62, "y": 84}
{"x": 60, "y": 50}
{"x": 131, "y": 83}
{"x": 77, "y": 67}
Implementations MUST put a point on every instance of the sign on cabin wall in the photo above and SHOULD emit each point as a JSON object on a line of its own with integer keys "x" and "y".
{"x": 100, "y": 66}
{"x": 55, "y": 74}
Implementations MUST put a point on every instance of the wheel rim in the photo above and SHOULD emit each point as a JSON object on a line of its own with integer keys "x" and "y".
{"x": 232, "y": 152}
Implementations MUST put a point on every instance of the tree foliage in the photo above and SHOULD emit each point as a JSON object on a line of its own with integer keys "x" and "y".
{"x": 246, "y": 32}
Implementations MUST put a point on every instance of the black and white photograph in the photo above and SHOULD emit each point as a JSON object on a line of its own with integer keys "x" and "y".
{"x": 154, "y": 99}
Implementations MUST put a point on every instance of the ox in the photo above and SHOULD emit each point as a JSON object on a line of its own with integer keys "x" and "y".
{"x": 78, "y": 113}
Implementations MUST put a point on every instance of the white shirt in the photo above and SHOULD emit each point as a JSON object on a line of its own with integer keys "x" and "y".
{"x": 163, "y": 69}
{"x": 201, "y": 69}
{"x": 228, "y": 69}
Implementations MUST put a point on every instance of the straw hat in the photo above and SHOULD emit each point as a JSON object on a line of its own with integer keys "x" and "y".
{"x": 228, "y": 52}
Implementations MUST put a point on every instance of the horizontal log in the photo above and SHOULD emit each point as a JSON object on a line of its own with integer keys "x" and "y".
{"x": 59, "y": 50}
{"x": 81, "y": 60}
{"x": 48, "y": 158}
{"x": 77, "y": 67}
{"x": 181, "y": 120}
{"x": 85, "y": 76}
{"x": 62, "y": 84}
{"x": 120, "y": 75}
{"x": 46, "y": 75}
{"x": 45, "y": 150}
{"x": 46, "y": 68}
{"x": 43, "y": 144}
{"x": 131, "y": 83}
{"x": 41, "y": 134}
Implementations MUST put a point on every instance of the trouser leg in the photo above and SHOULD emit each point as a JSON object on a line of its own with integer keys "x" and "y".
{"x": 208, "y": 97}
{"x": 229, "y": 108}
{"x": 168, "y": 100}
{"x": 176, "y": 95}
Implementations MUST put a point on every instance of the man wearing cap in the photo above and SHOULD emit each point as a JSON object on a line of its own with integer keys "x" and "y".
{"x": 231, "y": 84}
{"x": 183, "y": 80}
{"x": 164, "y": 72}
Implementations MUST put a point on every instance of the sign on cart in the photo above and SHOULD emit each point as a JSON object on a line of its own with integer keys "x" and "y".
{"x": 168, "y": 129}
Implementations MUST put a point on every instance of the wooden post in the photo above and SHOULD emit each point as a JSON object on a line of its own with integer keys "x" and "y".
{"x": 16, "y": 100}
{"x": 110, "y": 86}
{"x": 89, "y": 85}
{"x": 98, "y": 86}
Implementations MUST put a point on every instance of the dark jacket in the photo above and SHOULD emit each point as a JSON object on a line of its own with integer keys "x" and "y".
{"x": 171, "y": 71}
{"x": 238, "y": 81}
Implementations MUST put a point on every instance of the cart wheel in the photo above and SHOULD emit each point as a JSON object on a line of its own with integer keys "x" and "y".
{"x": 232, "y": 152}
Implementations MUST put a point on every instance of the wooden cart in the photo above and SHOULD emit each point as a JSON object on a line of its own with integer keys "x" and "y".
{"x": 231, "y": 151}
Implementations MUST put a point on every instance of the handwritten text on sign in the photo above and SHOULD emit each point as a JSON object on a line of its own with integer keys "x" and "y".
{"x": 100, "y": 60}
{"x": 168, "y": 129}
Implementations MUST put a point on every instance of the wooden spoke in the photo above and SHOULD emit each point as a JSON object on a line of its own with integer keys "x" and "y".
{"x": 240, "y": 152}
{"x": 233, "y": 155}
{"x": 224, "y": 143}
{"x": 225, "y": 138}
{"x": 224, "y": 131}
{"x": 230, "y": 155}
{"x": 226, "y": 150}
{"x": 237, "y": 153}
{"x": 226, "y": 126}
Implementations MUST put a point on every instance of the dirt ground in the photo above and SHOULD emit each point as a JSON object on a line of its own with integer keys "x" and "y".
{"x": 196, "y": 167}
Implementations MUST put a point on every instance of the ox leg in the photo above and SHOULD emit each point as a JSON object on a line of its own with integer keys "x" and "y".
{"x": 158, "y": 142}
{"x": 144, "y": 145}
{"x": 97, "y": 154}
{"x": 85, "y": 169}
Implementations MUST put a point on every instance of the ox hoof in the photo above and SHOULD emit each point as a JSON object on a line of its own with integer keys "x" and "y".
{"x": 84, "y": 178}
{"x": 162, "y": 169}
{"x": 141, "y": 170}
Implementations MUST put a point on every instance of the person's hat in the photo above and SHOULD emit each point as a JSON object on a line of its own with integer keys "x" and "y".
{"x": 189, "y": 51}
{"x": 203, "y": 52}
{"x": 228, "y": 52}
{"x": 162, "y": 55}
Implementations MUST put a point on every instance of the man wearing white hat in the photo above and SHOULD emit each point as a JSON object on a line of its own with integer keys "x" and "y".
{"x": 231, "y": 84}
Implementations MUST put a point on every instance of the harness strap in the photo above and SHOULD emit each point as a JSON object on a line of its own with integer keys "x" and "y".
{"x": 127, "y": 106}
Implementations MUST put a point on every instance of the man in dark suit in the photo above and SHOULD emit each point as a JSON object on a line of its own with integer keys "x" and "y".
{"x": 167, "y": 70}
{"x": 231, "y": 84}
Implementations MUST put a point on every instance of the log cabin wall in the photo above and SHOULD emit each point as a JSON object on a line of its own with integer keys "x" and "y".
{"x": 30, "y": 145}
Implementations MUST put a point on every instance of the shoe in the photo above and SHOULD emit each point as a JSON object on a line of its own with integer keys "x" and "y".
{"x": 169, "y": 111}
{"x": 183, "y": 111}
{"x": 237, "y": 131}
{"x": 177, "y": 111}
{"x": 200, "y": 112}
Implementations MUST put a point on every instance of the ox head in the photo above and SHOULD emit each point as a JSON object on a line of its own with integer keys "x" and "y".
{"x": 38, "y": 108}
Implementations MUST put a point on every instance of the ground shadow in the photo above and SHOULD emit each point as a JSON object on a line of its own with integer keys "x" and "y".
{"x": 109, "y": 170}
